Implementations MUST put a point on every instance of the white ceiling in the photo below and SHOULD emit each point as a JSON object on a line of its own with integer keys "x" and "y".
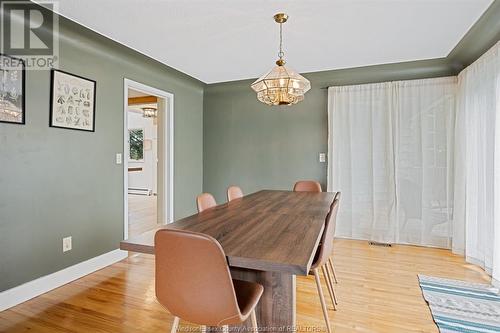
{"x": 137, "y": 108}
{"x": 134, "y": 93}
{"x": 225, "y": 40}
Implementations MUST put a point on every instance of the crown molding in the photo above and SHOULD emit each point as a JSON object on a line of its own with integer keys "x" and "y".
{"x": 480, "y": 38}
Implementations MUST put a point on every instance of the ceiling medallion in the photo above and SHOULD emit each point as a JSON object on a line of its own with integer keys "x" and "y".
{"x": 281, "y": 85}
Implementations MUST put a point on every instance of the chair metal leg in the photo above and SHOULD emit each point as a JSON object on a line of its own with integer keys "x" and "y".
{"x": 330, "y": 279}
{"x": 333, "y": 269}
{"x": 253, "y": 318}
{"x": 326, "y": 274}
{"x": 322, "y": 299}
{"x": 175, "y": 324}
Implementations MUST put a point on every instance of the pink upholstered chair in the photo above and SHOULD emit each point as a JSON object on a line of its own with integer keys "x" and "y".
{"x": 330, "y": 261}
{"x": 307, "y": 186}
{"x": 193, "y": 281}
{"x": 205, "y": 201}
{"x": 234, "y": 192}
{"x": 322, "y": 261}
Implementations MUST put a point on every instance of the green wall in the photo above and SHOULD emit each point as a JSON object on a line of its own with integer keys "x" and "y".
{"x": 256, "y": 146}
{"x": 250, "y": 144}
{"x": 56, "y": 182}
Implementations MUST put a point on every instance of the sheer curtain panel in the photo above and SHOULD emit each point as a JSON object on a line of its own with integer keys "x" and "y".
{"x": 360, "y": 160}
{"x": 476, "y": 230}
{"x": 390, "y": 147}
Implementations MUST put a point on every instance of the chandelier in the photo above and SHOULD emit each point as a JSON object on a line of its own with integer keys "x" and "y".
{"x": 149, "y": 112}
{"x": 281, "y": 85}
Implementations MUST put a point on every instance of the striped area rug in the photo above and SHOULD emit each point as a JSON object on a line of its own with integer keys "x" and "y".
{"x": 459, "y": 306}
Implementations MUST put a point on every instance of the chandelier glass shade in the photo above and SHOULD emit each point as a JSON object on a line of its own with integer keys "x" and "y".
{"x": 281, "y": 85}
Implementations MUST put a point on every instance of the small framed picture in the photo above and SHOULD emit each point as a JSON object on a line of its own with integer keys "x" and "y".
{"x": 12, "y": 95}
{"x": 72, "y": 101}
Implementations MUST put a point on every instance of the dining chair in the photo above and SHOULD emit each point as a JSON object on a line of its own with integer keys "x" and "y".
{"x": 234, "y": 192}
{"x": 330, "y": 260}
{"x": 307, "y": 186}
{"x": 321, "y": 260}
{"x": 205, "y": 201}
{"x": 193, "y": 282}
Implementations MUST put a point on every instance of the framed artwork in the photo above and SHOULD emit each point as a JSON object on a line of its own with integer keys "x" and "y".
{"x": 72, "y": 101}
{"x": 12, "y": 95}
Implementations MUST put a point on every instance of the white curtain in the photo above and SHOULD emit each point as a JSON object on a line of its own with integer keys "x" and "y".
{"x": 477, "y": 176}
{"x": 390, "y": 147}
{"x": 361, "y": 163}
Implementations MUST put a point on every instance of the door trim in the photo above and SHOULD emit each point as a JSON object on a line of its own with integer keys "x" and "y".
{"x": 167, "y": 154}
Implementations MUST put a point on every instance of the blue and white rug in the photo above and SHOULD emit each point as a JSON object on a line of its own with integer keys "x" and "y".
{"x": 459, "y": 306}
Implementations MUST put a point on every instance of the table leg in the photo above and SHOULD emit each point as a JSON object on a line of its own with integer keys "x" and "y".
{"x": 276, "y": 310}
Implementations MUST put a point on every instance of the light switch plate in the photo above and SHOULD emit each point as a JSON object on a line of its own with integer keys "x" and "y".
{"x": 322, "y": 157}
{"x": 67, "y": 246}
{"x": 118, "y": 158}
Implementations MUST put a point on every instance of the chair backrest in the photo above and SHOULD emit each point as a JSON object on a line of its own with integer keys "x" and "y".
{"x": 205, "y": 201}
{"x": 307, "y": 186}
{"x": 326, "y": 245}
{"x": 192, "y": 277}
{"x": 234, "y": 192}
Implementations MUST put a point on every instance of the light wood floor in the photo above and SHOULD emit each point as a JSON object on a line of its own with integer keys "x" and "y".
{"x": 378, "y": 292}
{"x": 142, "y": 213}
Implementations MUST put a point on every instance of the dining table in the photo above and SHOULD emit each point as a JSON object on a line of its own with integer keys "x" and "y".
{"x": 268, "y": 237}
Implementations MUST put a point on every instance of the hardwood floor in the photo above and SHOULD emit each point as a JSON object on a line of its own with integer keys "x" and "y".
{"x": 378, "y": 292}
{"x": 142, "y": 214}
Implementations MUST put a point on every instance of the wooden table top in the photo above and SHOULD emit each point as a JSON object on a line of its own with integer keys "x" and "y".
{"x": 267, "y": 230}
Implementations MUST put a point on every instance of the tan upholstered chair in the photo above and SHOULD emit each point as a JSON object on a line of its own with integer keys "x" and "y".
{"x": 307, "y": 186}
{"x": 193, "y": 281}
{"x": 322, "y": 259}
{"x": 205, "y": 201}
{"x": 234, "y": 192}
{"x": 330, "y": 261}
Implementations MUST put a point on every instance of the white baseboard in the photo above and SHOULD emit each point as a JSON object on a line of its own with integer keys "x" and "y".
{"x": 140, "y": 191}
{"x": 29, "y": 290}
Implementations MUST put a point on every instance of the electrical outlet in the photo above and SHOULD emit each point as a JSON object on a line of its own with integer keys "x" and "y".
{"x": 322, "y": 157}
{"x": 67, "y": 244}
{"x": 118, "y": 158}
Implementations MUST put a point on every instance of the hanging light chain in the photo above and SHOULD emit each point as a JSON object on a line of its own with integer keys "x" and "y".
{"x": 281, "y": 53}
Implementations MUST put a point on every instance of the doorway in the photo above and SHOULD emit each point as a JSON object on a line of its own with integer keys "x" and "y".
{"x": 148, "y": 158}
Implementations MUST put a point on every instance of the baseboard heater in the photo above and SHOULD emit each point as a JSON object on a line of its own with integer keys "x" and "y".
{"x": 379, "y": 244}
{"x": 139, "y": 191}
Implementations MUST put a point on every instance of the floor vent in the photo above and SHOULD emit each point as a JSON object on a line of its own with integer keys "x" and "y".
{"x": 379, "y": 244}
